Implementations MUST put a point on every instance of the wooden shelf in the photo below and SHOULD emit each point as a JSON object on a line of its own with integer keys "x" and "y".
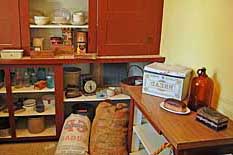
{"x": 7, "y": 137}
{"x": 59, "y": 26}
{"x": 150, "y": 139}
{"x": 49, "y": 131}
{"x": 3, "y": 90}
{"x": 93, "y": 98}
{"x": 22, "y": 130}
{"x": 31, "y": 90}
{"x": 49, "y": 110}
{"x": 141, "y": 152}
{"x": 72, "y": 60}
{"x": 3, "y": 114}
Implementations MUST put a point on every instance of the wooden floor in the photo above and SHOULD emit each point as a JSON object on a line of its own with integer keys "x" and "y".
{"x": 38, "y": 148}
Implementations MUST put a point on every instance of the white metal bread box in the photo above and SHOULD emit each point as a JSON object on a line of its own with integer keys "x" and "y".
{"x": 167, "y": 81}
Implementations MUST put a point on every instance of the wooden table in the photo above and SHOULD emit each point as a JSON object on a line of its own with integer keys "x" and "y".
{"x": 185, "y": 134}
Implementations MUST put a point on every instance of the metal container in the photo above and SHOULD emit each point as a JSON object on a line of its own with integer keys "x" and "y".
{"x": 36, "y": 124}
{"x": 72, "y": 77}
{"x": 81, "y": 48}
{"x": 81, "y": 36}
{"x": 78, "y": 18}
{"x": 167, "y": 81}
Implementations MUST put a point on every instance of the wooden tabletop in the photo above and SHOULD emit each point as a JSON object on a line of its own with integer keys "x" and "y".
{"x": 182, "y": 131}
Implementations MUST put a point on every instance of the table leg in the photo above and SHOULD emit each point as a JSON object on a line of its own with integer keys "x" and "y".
{"x": 130, "y": 125}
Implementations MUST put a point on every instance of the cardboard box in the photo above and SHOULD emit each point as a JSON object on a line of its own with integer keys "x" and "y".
{"x": 167, "y": 81}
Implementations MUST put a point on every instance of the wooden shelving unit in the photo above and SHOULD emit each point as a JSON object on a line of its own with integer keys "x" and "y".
{"x": 31, "y": 90}
{"x": 59, "y": 26}
{"x": 93, "y": 98}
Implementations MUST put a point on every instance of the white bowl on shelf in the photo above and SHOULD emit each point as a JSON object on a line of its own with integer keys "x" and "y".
{"x": 41, "y": 20}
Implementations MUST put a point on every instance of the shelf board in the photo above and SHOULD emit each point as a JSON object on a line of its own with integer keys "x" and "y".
{"x": 22, "y": 130}
{"x": 150, "y": 139}
{"x": 31, "y": 90}
{"x": 141, "y": 152}
{"x": 3, "y": 90}
{"x": 7, "y": 137}
{"x": 49, "y": 110}
{"x": 93, "y": 98}
{"x": 59, "y": 26}
{"x": 49, "y": 131}
{"x": 4, "y": 114}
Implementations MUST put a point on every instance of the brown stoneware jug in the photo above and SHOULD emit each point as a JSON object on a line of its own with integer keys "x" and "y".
{"x": 201, "y": 91}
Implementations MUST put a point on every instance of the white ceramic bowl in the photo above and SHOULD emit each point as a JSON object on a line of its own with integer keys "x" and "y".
{"x": 41, "y": 20}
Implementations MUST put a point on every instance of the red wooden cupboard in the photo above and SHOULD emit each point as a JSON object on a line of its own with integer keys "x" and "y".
{"x": 14, "y": 29}
{"x": 129, "y": 27}
{"x": 9, "y": 24}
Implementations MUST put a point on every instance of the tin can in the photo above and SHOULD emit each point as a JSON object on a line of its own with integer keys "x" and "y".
{"x": 81, "y": 36}
{"x": 67, "y": 36}
{"x": 167, "y": 81}
{"x": 56, "y": 40}
{"x": 50, "y": 81}
{"x": 81, "y": 48}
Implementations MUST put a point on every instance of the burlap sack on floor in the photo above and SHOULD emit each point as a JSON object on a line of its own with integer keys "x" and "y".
{"x": 109, "y": 130}
{"x": 74, "y": 138}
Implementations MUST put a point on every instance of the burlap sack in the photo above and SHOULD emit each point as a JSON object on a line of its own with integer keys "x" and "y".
{"x": 74, "y": 138}
{"x": 109, "y": 130}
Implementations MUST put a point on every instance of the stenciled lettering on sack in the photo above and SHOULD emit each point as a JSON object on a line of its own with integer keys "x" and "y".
{"x": 71, "y": 138}
{"x": 163, "y": 85}
{"x": 78, "y": 125}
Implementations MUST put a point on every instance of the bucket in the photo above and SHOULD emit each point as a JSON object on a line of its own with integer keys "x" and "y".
{"x": 72, "y": 77}
{"x": 36, "y": 124}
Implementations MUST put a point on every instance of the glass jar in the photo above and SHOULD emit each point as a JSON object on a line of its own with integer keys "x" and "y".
{"x": 33, "y": 77}
{"x": 201, "y": 90}
{"x": 78, "y": 18}
{"x": 18, "y": 79}
{"x": 41, "y": 74}
{"x": 26, "y": 79}
{"x": 50, "y": 81}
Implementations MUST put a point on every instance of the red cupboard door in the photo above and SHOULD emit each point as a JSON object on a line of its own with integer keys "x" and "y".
{"x": 9, "y": 24}
{"x": 129, "y": 27}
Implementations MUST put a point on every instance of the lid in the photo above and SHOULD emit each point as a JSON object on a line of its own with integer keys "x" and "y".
{"x": 172, "y": 70}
